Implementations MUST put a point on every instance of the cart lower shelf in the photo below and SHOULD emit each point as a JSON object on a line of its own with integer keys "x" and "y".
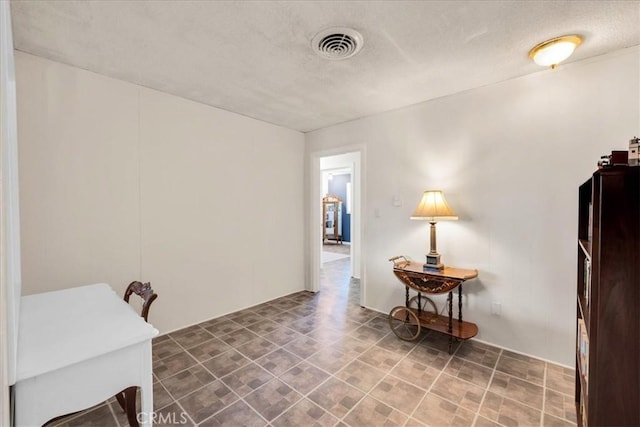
{"x": 461, "y": 330}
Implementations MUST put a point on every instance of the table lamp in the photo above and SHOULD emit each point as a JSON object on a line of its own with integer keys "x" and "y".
{"x": 433, "y": 207}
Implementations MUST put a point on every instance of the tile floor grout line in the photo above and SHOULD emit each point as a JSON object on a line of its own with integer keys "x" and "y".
{"x": 274, "y": 377}
{"x": 522, "y": 403}
{"x": 167, "y": 391}
{"x": 113, "y": 414}
{"x": 201, "y": 363}
{"x": 364, "y": 395}
{"x": 473, "y": 361}
{"x": 186, "y": 369}
{"x": 544, "y": 394}
{"x": 313, "y": 403}
{"x": 519, "y": 378}
{"x": 216, "y": 378}
{"x": 184, "y": 412}
{"x": 517, "y": 401}
{"x": 386, "y": 374}
{"x": 239, "y": 398}
{"x": 389, "y": 373}
{"x": 486, "y": 390}
{"x": 411, "y": 416}
{"x": 407, "y": 381}
{"x": 332, "y": 376}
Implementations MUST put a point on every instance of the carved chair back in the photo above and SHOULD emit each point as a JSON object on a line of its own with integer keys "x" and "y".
{"x": 144, "y": 291}
{"x": 127, "y": 397}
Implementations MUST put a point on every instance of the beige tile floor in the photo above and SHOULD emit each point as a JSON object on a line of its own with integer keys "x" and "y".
{"x": 307, "y": 359}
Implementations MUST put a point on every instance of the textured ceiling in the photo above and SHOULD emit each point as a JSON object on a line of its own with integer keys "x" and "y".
{"x": 254, "y": 58}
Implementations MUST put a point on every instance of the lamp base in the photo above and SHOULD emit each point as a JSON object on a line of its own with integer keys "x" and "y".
{"x": 433, "y": 263}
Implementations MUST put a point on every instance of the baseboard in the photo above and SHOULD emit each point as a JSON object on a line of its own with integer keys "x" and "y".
{"x": 499, "y": 346}
{"x": 225, "y": 314}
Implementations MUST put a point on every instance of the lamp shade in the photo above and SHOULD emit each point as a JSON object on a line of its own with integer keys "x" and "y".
{"x": 433, "y": 207}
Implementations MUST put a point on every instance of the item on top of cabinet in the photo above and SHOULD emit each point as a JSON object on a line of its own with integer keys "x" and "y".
{"x": 604, "y": 161}
{"x": 619, "y": 157}
{"x": 616, "y": 158}
{"x": 634, "y": 151}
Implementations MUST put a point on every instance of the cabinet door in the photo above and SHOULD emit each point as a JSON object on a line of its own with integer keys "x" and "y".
{"x": 339, "y": 221}
{"x": 329, "y": 221}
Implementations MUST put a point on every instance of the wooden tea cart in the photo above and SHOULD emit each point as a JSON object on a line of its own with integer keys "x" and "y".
{"x": 419, "y": 311}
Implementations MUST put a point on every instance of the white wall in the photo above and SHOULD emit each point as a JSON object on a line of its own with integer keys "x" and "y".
{"x": 10, "y": 278}
{"x": 509, "y": 158}
{"x": 121, "y": 183}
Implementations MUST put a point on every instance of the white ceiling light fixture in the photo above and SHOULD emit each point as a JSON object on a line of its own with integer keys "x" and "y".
{"x": 337, "y": 43}
{"x": 552, "y": 52}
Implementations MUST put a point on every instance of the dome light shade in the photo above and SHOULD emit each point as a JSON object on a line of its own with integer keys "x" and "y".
{"x": 552, "y": 52}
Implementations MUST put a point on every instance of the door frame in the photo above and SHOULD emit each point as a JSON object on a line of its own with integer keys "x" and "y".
{"x": 314, "y": 233}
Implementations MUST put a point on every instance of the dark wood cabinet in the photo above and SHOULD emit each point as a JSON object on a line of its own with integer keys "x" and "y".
{"x": 608, "y": 299}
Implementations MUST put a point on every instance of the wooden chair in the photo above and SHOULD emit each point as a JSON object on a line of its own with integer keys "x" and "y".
{"x": 127, "y": 397}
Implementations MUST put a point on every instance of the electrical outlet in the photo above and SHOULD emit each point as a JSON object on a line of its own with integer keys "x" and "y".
{"x": 496, "y": 308}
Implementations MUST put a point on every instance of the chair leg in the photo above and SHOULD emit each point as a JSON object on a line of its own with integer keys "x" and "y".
{"x": 130, "y": 405}
{"x": 120, "y": 399}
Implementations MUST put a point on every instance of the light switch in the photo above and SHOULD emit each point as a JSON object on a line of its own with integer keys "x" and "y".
{"x": 496, "y": 308}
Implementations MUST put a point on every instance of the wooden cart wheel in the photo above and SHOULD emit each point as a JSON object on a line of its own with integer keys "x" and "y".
{"x": 431, "y": 315}
{"x": 404, "y": 323}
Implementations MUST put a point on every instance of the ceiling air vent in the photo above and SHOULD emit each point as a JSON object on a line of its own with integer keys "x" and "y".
{"x": 337, "y": 43}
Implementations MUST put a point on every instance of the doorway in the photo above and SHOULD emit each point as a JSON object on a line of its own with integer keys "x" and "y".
{"x": 337, "y": 209}
{"x": 331, "y": 172}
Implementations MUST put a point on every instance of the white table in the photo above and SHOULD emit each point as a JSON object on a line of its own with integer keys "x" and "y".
{"x": 78, "y": 347}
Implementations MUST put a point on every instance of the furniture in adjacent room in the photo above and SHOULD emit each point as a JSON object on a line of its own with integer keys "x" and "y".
{"x": 408, "y": 320}
{"x": 332, "y": 219}
{"x": 127, "y": 398}
{"x": 608, "y": 299}
{"x": 78, "y": 347}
